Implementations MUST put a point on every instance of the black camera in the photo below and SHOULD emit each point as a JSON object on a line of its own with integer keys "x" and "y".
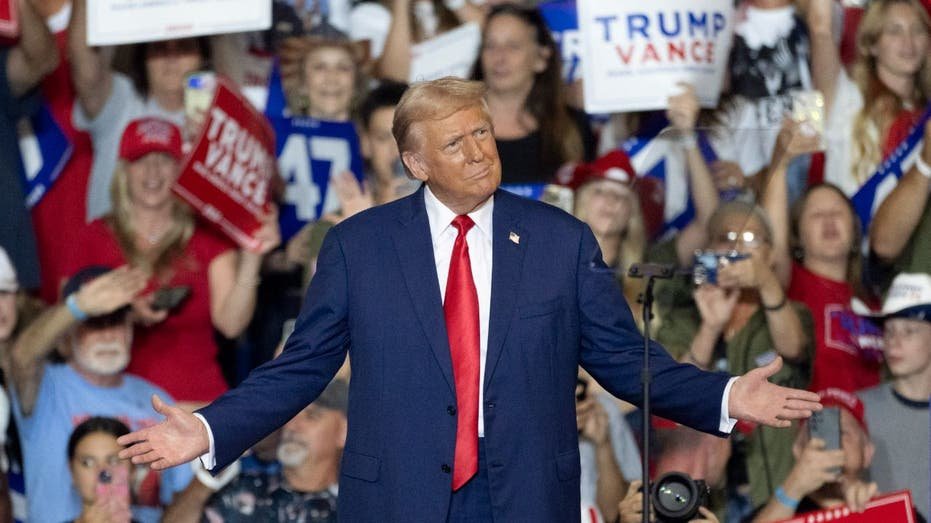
{"x": 676, "y": 497}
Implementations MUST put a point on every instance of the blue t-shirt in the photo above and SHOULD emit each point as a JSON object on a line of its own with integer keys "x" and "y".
{"x": 65, "y": 399}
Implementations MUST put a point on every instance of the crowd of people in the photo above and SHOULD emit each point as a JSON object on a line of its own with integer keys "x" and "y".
{"x": 112, "y": 289}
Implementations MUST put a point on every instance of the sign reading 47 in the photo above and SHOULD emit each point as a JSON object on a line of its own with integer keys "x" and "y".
{"x": 310, "y": 152}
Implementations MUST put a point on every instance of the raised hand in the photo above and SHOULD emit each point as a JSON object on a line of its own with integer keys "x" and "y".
{"x": 179, "y": 438}
{"x": 110, "y": 291}
{"x": 857, "y": 493}
{"x": 727, "y": 175}
{"x": 592, "y": 420}
{"x": 269, "y": 234}
{"x": 753, "y": 398}
{"x": 794, "y": 139}
{"x": 144, "y": 313}
{"x": 682, "y": 109}
{"x": 715, "y": 305}
{"x": 749, "y": 273}
{"x": 815, "y": 467}
{"x": 353, "y": 196}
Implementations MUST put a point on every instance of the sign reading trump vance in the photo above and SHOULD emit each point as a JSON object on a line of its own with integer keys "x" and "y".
{"x": 636, "y": 52}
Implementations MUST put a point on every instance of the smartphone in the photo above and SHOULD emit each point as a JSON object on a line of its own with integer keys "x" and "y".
{"x": 168, "y": 298}
{"x": 199, "y": 88}
{"x": 808, "y": 108}
{"x": 825, "y": 425}
{"x": 707, "y": 263}
{"x": 113, "y": 483}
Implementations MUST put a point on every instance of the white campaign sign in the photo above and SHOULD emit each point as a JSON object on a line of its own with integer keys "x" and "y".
{"x": 111, "y": 22}
{"x": 451, "y": 54}
{"x": 636, "y": 52}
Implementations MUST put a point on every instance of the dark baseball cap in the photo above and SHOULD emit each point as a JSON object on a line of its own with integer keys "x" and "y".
{"x": 84, "y": 276}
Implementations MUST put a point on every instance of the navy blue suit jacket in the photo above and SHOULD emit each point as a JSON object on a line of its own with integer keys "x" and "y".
{"x": 554, "y": 305}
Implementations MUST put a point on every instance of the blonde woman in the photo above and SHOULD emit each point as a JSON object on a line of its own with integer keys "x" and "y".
{"x": 606, "y": 199}
{"x": 174, "y": 344}
{"x": 869, "y": 114}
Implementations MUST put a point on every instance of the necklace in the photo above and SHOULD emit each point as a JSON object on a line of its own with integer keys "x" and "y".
{"x": 154, "y": 236}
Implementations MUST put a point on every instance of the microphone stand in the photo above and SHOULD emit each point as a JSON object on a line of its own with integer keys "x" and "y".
{"x": 650, "y": 272}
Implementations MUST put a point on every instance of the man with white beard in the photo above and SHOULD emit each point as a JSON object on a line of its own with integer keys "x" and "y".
{"x": 93, "y": 331}
{"x": 303, "y": 488}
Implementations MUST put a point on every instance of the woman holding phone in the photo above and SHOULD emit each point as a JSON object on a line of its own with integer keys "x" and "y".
{"x": 174, "y": 345}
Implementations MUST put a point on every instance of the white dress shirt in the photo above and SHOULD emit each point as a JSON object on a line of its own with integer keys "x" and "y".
{"x": 479, "y": 239}
{"x": 443, "y": 235}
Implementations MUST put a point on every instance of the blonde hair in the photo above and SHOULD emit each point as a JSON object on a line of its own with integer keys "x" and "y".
{"x": 168, "y": 248}
{"x": 632, "y": 246}
{"x": 434, "y": 100}
{"x": 880, "y": 104}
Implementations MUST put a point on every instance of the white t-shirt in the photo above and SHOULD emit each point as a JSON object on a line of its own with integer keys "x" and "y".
{"x": 123, "y": 106}
{"x": 838, "y": 136}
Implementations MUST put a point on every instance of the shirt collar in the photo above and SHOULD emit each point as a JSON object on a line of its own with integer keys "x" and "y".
{"x": 441, "y": 217}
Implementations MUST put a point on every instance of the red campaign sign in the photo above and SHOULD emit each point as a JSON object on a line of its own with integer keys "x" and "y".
{"x": 889, "y": 508}
{"x": 9, "y": 21}
{"x": 226, "y": 176}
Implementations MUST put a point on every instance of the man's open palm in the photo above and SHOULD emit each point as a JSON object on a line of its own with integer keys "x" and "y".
{"x": 754, "y": 398}
{"x": 179, "y": 438}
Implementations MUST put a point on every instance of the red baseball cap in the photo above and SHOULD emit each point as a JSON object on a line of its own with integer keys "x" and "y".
{"x": 150, "y": 135}
{"x": 833, "y": 397}
{"x": 616, "y": 166}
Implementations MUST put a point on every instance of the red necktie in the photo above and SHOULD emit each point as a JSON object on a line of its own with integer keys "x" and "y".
{"x": 461, "y": 312}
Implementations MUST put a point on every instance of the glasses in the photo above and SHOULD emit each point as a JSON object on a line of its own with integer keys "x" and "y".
{"x": 748, "y": 238}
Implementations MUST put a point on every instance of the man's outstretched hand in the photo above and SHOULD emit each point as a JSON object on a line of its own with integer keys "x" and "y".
{"x": 179, "y": 438}
{"x": 754, "y": 398}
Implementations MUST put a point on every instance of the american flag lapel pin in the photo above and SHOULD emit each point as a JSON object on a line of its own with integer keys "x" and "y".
{"x": 513, "y": 236}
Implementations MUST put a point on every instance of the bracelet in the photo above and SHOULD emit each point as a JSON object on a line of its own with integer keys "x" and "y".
{"x": 777, "y": 306}
{"x": 784, "y": 498}
{"x": 922, "y": 167}
{"x": 72, "y": 303}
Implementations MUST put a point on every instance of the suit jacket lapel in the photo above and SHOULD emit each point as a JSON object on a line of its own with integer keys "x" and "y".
{"x": 415, "y": 251}
{"x": 508, "y": 244}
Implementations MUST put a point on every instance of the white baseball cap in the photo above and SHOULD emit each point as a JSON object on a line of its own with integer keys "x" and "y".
{"x": 909, "y": 296}
{"x": 8, "y": 281}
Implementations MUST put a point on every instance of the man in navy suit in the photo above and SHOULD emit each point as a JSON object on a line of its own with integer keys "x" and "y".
{"x": 465, "y": 312}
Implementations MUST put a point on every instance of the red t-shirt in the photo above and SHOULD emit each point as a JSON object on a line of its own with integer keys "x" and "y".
{"x": 848, "y": 347}
{"x": 178, "y": 354}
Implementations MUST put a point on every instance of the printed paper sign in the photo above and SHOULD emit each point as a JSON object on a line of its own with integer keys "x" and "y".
{"x": 451, "y": 54}
{"x": 227, "y": 175}
{"x": 111, "y": 22}
{"x": 890, "y": 508}
{"x": 636, "y": 52}
{"x": 9, "y": 21}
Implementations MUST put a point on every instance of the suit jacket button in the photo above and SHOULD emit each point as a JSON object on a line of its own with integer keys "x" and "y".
{"x": 445, "y": 468}
{"x": 451, "y": 410}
